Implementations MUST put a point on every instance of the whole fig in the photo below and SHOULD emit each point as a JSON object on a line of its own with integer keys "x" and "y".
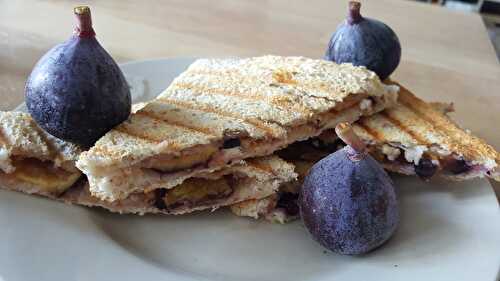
{"x": 76, "y": 91}
{"x": 365, "y": 42}
{"x": 347, "y": 201}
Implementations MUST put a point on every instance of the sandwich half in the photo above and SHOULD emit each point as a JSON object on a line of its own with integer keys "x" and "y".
{"x": 33, "y": 161}
{"x": 412, "y": 138}
{"x": 221, "y": 111}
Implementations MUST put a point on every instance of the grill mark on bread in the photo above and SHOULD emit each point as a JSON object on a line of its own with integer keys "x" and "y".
{"x": 421, "y": 116}
{"x": 122, "y": 129}
{"x": 458, "y": 139}
{"x": 281, "y": 101}
{"x": 373, "y": 133}
{"x": 304, "y": 85}
{"x": 217, "y": 91}
{"x": 422, "y": 110}
{"x": 206, "y": 108}
{"x": 164, "y": 119}
{"x": 386, "y": 114}
{"x": 414, "y": 105}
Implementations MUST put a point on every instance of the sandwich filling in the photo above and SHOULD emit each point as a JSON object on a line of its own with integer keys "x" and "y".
{"x": 282, "y": 206}
{"x": 254, "y": 179}
{"x": 426, "y": 162}
{"x": 45, "y": 175}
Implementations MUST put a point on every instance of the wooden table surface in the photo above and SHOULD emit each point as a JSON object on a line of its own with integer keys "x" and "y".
{"x": 447, "y": 55}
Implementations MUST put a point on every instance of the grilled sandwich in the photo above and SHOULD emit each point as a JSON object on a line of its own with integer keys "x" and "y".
{"x": 33, "y": 161}
{"x": 412, "y": 138}
{"x": 220, "y": 111}
{"x": 416, "y": 138}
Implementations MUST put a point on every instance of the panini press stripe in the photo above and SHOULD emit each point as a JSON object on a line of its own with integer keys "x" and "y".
{"x": 137, "y": 136}
{"x": 307, "y": 86}
{"x": 402, "y": 127}
{"x": 251, "y": 97}
{"x": 187, "y": 105}
{"x": 373, "y": 133}
{"x": 216, "y": 91}
{"x": 422, "y": 115}
{"x": 162, "y": 119}
{"x": 457, "y": 141}
{"x": 304, "y": 86}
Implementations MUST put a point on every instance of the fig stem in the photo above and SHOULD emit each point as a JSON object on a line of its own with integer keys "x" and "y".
{"x": 346, "y": 133}
{"x": 84, "y": 22}
{"x": 354, "y": 15}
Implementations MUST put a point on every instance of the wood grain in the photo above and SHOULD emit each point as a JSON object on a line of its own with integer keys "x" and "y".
{"x": 447, "y": 55}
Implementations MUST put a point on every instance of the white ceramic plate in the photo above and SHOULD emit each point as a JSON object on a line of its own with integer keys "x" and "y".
{"x": 448, "y": 231}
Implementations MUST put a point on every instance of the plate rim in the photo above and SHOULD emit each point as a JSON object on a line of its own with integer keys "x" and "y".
{"x": 167, "y": 59}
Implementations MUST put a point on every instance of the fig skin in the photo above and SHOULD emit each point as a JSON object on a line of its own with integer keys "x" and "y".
{"x": 76, "y": 91}
{"x": 365, "y": 42}
{"x": 348, "y": 203}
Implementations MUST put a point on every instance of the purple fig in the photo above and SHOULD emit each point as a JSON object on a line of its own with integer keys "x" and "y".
{"x": 365, "y": 42}
{"x": 76, "y": 91}
{"x": 347, "y": 201}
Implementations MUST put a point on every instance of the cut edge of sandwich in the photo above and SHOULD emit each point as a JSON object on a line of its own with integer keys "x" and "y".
{"x": 266, "y": 208}
{"x": 32, "y": 160}
{"x": 254, "y": 179}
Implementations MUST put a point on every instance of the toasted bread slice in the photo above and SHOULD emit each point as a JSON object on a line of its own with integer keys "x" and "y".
{"x": 221, "y": 111}
{"x": 32, "y": 160}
